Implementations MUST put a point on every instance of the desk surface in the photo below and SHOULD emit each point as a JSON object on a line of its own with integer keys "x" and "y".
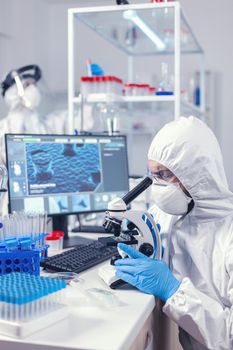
{"x": 91, "y": 327}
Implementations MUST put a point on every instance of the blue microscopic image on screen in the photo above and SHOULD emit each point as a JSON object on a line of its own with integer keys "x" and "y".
{"x": 62, "y": 168}
{"x": 81, "y": 203}
{"x": 58, "y": 204}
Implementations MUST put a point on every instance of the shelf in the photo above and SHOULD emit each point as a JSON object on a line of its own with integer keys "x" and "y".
{"x": 113, "y": 98}
{"x": 97, "y": 98}
{"x": 137, "y": 30}
{"x": 142, "y": 29}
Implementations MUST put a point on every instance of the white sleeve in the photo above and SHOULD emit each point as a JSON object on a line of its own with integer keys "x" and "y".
{"x": 204, "y": 318}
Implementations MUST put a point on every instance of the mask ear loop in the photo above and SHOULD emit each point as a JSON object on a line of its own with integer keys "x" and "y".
{"x": 20, "y": 88}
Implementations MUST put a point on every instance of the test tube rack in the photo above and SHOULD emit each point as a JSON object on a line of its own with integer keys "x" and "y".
{"x": 22, "y": 254}
{"x": 20, "y": 261}
{"x": 30, "y": 303}
{"x": 22, "y": 242}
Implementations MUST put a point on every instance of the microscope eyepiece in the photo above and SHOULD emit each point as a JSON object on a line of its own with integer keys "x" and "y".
{"x": 136, "y": 191}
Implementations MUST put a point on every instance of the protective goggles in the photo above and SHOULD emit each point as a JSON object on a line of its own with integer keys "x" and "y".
{"x": 162, "y": 176}
{"x": 30, "y": 72}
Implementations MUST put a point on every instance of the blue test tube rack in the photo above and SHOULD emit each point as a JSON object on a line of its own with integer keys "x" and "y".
{"x": 29, "y": 303}
{"x": 21, "y": 255}
{"x": 27, "y": 261}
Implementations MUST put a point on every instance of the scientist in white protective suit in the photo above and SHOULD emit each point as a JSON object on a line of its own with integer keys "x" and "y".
{"x": 194, "y": 207}
{"x": 22, "y": 97}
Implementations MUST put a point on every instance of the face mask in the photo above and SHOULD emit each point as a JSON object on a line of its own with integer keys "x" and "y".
{"x": 31, "y": 97}
{"x": 171, "y": 199}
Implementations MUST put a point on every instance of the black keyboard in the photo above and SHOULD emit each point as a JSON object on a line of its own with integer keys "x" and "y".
{"x": 79, "y": 258}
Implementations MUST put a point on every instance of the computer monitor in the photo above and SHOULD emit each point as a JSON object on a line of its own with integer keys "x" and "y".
{"x": 65, "y": 174}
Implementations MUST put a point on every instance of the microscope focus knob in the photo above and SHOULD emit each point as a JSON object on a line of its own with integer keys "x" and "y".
{"x": 115, "y": 258}
{"x": 146, "y": 249}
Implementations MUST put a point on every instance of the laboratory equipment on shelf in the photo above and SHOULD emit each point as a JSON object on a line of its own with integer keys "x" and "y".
{"x": 29, "y": 303}
{"x": 101, "y": 84}
{"x": 138, "y": 30}
{"x": 93, "y": 69}
{"x": 132, "y": 227}
{"x": 132, "y": 89}
{"x": 165, "y": 86}
{"x": 109, "y": 117}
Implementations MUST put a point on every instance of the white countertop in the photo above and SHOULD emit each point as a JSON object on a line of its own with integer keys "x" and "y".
{"x": 88, "y": 326}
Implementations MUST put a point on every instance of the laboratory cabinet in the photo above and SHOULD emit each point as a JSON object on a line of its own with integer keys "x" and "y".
{"x": 156, "y": 36}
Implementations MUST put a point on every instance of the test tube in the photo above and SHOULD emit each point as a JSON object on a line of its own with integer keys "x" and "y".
{"x": 6, "y": 226}
{"x": 41, "y": 228}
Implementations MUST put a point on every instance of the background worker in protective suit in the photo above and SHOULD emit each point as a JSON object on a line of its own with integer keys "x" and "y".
{"x": 194, "y": 207}
{"x": 22, "y": 96}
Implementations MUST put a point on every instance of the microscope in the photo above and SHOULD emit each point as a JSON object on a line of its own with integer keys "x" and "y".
{"x": 133, "y": 227}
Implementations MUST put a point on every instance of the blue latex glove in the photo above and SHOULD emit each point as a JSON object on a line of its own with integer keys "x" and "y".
{"x": 151, "y": 276}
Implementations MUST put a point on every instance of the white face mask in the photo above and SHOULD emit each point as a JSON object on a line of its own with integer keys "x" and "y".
{"x": 171, "y": 199}
{"x": 30, "y": 98}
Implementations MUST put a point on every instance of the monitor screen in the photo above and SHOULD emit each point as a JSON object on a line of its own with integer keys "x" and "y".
{"x": 65, "y": 174}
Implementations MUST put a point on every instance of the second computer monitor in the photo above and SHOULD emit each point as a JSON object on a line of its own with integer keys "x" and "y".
{"x": 65, "y": 174}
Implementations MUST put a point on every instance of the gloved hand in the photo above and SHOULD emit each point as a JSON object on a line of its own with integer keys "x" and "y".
{"x": 149, "y": 275}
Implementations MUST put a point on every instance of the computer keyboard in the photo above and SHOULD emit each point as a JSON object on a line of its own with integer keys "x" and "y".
{"x": 79, "y": 258}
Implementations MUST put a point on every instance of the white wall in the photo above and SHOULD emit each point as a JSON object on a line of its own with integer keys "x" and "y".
{"x": 88, "y": 45}
{"x": 212, "y": 22}
{"x": 37, "y": 32}
{"x": 24, "y": 24}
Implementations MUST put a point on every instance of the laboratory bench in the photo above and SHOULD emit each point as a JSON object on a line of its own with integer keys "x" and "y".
{"x": 120, "y": 323}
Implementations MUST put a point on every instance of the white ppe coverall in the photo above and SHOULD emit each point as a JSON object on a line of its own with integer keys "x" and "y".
{"x": 200, "y": 244}
{"x": 20, "y": 119}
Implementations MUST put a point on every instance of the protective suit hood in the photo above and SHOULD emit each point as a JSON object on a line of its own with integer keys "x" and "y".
{"x": 190, "y": 150}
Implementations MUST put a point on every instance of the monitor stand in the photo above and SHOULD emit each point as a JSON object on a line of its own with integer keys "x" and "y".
{"x": 60, "y": 223}
{"x": 89, "y": 229}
